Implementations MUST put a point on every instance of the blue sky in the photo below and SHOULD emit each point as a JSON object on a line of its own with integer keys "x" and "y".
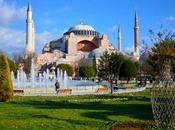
{"x": 53, "y": 17}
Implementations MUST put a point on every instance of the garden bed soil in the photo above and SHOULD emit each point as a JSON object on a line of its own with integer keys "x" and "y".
{"x": 129, "y": 126}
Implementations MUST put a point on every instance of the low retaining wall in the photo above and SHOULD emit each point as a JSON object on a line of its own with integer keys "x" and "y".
{"x": 81, "y": 90}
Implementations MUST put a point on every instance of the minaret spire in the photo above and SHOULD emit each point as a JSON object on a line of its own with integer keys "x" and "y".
{"x": 136, "y": 36}
{"x": 29, "y": 8}
{"x": 136, "y": 20}
{"x": 30, "y": 34}
{"x": 119, "y": 39}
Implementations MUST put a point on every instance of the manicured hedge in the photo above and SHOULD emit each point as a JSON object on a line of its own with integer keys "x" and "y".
{"x": 6, "y": 86}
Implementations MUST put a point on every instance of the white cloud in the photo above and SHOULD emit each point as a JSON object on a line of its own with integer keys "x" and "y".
{"x": 12, "y": 40}
{"x": 113, "y": 28}
{"x": 170, "y": 18}
{"x": 64, "y": 9}
{"x": 10, "y": 13}
{"x": 45, "y": 36}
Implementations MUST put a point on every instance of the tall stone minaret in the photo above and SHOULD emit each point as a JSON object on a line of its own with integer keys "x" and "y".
{"x": 119, "y": 39}
{"x": 30, "y": 34}
{"x": 136, "y": 36}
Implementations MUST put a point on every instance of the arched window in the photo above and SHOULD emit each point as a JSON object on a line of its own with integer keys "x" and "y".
{"x": 85, "y": 46}
{"x": 81, "y": 32}
{"x": 90, "y": 32}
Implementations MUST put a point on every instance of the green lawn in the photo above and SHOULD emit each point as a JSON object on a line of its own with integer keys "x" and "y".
{"x": 90, "y": 112}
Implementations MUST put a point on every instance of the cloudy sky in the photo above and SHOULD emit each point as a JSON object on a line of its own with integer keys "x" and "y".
{"x": 53, "y": 17}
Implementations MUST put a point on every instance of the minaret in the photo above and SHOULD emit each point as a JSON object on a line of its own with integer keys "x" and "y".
{"x": 119, "y": 39}
{"x": 136, "y": 36}
{"x": 30, "y": 34}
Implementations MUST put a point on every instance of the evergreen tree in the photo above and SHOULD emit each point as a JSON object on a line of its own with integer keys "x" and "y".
{"x": 103, "y": 66}
{"x": 109, "y": 65}
{"x": 115, "y": 62}
{"x": 6, "y": 87}
{"x": 12, "y": 65}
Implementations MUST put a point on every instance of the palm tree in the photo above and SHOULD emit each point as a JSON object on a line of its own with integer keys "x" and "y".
{"x": 164, "y": 52}
{"x": 163, "y": 99}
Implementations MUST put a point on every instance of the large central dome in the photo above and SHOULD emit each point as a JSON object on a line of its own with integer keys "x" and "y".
{"x": 81, "y": 26}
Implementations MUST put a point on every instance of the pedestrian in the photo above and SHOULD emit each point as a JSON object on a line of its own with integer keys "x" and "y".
{"x": 57, "y": 86}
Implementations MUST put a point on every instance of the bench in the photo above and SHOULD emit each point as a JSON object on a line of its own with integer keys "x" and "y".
{"x": 65, "y": 91}
{"x": 101, "y": 90}
{"x": 18, "y": 91}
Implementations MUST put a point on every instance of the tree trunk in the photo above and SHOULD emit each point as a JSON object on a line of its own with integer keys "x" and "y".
{"x": 163, "y": 97}
{"x": 165, "y": 68}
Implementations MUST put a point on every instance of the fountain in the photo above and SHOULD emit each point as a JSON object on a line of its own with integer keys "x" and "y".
{"x": 32, "y": 74}
{"x": 46, "y": 80}
{"x": 44, "y": 83}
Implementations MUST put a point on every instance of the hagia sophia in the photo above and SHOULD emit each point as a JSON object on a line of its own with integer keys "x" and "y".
{"x": 78, "y": 46}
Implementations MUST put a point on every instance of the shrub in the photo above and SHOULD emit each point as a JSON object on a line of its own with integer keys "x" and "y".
{"x": 86, "y": 71}
{"x": 6, "y": 87}
{"x": 66, "y": 67}
{"x": 128, "y": 69}
{"x": 13, "y": 67}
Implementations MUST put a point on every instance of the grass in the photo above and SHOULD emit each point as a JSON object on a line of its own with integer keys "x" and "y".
{"x": 89, "y": 112}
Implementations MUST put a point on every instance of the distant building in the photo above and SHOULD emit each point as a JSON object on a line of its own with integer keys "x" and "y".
{"x": 77, "y": 46}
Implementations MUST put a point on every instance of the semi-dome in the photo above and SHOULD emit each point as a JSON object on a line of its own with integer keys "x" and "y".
{"x": 98, "y": 52}
{"x": 81, "y": 26}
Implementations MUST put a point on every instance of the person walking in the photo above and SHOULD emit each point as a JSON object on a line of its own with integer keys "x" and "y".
{"x": 57, "y": 86}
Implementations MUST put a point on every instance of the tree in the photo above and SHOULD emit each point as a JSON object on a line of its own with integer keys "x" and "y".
{"x": 137, "y": 65}
{"x": 164, "y": 48}
{"x": 115, "y": 62}
{"x": 66, "y": 67}
{"x": 13, "y": 67}
{"x": 128, "y": 70}
{"x": 94, "y": 64}
{"x": 145, "y": 68}
{"x": 21, "y": 58}
{"x": 109, "y": 65}
{"x": 162, "y": 56}
{"x": 6, "y": 87}
{"x": 103, "y": 66}
{"x": 27, "y": 64}
{"x": 86, "y": 71}
{"x": 17, "y": 58}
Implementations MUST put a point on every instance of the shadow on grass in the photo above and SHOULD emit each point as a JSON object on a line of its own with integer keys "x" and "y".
{"x": 64, "y": 121}
{"x": 71, "y": 121}
{"x": 96, "y": 110}
{"x": 137, "y": 111}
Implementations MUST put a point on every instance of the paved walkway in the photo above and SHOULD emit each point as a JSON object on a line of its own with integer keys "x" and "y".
{"x": 75, "y": 91}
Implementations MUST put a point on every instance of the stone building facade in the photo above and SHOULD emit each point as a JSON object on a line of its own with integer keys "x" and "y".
{"x": 80, "y": 44}
{"x": 76, "y": 47}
